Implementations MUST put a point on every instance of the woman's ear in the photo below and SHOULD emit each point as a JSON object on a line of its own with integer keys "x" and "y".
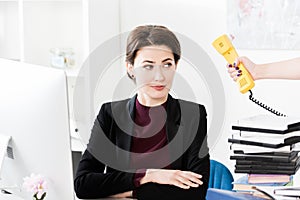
{"x": 176, "y": 63}
{"x": 129, "y": 68}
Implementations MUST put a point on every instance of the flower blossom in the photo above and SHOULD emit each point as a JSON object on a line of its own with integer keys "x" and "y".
{"x": 36, "y": 184}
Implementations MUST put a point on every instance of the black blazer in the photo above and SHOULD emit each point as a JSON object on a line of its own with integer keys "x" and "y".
{"x": 186, "y": 124}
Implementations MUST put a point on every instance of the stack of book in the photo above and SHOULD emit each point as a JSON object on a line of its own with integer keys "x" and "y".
{"x": 266, "y": 145}
{"x": 246, "y": 183}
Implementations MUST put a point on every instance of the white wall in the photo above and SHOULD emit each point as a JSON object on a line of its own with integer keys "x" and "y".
{"x": 9, "y": 38}
{"x": 50, "y": 25}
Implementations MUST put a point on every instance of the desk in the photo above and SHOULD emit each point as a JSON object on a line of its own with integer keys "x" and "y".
{"x": 213, "y": 194}
{"x": 108, "y": 199}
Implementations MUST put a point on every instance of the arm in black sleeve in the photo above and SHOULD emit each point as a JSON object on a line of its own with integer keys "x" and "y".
{"x": 195, "y": 159}
{"x": 90, "y": 180}
{"x": 197, "y": 156}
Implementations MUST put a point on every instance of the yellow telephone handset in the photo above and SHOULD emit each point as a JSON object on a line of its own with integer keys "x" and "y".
{"x": 224, "y": 46}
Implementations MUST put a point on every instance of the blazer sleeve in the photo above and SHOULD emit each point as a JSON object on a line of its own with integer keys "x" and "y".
{"x": 195, "y": 159}
{"x": 90, "y": 179}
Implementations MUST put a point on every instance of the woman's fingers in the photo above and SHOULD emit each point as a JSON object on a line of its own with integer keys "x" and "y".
{"x": 234, "y": 74}
{"x": 195, "y": 178}
{"x": 186, "y": 181}
{"x": 233, "y": 71}
{"x": 122, "y": 195}
{"x": 181, "y": 179}
{"x": 189, "y": 178}
{"x": 235, "y": 78}
{"x": 230, "y": 70}
{"x": 181, "y": 185}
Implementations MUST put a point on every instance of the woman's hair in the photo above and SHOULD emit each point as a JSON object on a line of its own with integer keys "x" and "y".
{"x": 150, "y": 35}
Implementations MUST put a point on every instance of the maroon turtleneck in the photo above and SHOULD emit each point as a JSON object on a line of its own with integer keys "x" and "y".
{"x": 149, "y": 135}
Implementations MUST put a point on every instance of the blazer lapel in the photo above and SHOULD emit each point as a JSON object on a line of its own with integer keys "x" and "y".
{"x": 172, "y": 127}
{"x": 127, "y": 114}
{"x": 124, "y": 135}
{"x": 131, "y": 109}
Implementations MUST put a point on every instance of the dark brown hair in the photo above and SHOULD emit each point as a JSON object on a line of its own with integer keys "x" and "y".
{"x": 150, "y": 35}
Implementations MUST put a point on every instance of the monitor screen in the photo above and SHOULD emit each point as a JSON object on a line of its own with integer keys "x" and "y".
{"x": 34, "y": 112}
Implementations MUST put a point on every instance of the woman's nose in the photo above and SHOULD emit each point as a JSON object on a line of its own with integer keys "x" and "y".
{"x": 158, "y": 74}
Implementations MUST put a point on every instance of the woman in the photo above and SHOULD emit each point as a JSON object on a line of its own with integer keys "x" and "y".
{"x": 174, "y": 128}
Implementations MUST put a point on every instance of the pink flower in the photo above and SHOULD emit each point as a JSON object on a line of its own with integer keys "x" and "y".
{"x": 36, "y": 184}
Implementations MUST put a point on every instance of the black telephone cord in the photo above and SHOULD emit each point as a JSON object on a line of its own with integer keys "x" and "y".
{"x": 265, "y": 106}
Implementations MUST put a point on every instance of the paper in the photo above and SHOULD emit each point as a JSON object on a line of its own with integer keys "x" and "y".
{"x": 270, "y": 190}
{"x": 258, "y": 149}
{"x": 267, "y": 122}
{"x": 290, "y": 191}
{"x": 4, "y": 141}
{"x": 263, "y": 136}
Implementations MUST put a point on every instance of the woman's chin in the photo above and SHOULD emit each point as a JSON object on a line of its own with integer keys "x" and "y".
{"x": 159, "y": 95}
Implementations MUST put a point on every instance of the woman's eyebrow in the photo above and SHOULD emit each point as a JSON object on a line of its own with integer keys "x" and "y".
{"x": 167, "y": 59}
{"x": 150, "y": 61}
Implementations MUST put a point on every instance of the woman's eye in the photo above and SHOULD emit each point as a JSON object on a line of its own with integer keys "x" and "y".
{"x": 168, "y": 65}
{"x": 148, "y": 67}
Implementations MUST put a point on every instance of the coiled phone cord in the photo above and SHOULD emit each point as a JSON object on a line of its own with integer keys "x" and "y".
{"x": 264, "y": 106}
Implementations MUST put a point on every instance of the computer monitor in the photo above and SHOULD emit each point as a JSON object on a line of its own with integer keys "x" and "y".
{"x": 34, "y": 112}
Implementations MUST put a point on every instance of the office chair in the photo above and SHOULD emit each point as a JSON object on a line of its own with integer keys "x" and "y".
{"x": 220, "y": 177}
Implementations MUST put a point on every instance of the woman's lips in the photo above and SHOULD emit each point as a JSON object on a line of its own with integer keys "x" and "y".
{"x": 158, "y": 87}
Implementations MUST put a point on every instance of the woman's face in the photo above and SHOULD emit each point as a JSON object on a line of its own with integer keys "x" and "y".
{"x": 154, "y": 68}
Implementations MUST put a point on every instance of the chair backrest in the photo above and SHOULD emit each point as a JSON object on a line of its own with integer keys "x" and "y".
{"x": 220, "y": 177}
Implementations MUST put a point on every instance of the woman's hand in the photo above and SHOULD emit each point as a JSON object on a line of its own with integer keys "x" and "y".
{"x": 122, "y": 195}
{"x": 235, "y": 72}
{"x": 182, "y": 179}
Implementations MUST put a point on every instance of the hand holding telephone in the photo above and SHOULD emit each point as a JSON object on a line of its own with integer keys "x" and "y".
{"x": 224, "y": 46}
